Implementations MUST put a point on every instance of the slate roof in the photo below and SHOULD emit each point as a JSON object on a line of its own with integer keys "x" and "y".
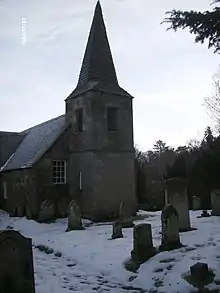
{"x": 98, "y": 70}
{"x": 36, "y": 141}
{"x": 9, "y": 141}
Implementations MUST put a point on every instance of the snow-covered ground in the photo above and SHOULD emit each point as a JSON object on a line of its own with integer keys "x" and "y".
{"x": 88, "y": 261}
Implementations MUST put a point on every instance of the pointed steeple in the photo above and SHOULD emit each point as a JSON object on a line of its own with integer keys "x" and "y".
{"x": 98, "y": 70}
{"x": 98, "y": 62}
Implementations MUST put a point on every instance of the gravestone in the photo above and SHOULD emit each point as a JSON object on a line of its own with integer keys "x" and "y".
{"x": 16, "y": 263}
{"x": 74, "y": 217}
{"x": 62, "y": 207}
{"x": 124, "y": 218}
{"x": 170, "y": 229}
{"x": 201, "y": 276}
{"x": 117, "y": 230}
{"x": 199, "y": 271}
{"x": 176, "y": 195}
{"x": 215, "y": 199}
{"x": 196, "y": 203}
{"x": 47, "y": 212}
{"x": 142, "y": 243}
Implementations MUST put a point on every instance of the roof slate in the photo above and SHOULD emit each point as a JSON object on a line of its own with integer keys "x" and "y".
{"x": 98, "y": 70}
{"x": 9, "y": 141}
{"x": 36, "y": 141}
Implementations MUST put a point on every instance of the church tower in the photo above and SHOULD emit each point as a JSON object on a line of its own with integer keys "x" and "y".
{"x": 99, "y": 111}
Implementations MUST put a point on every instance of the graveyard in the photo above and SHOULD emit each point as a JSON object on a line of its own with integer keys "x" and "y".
{"x": 90, "y": 261}
{"x": 82, "y": 208}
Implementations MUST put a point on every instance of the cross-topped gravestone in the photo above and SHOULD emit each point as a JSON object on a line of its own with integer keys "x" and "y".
{"x": 170, "y": 229}
{"x": 16, "y": 263}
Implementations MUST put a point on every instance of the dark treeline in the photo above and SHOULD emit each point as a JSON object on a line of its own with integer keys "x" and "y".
{"x": 197, "y": 162}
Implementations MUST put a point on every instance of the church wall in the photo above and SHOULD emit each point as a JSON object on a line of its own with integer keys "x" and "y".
{"x": 43, "y": 170}
{"x": 107, "y": 179}
{"x": 18, "y": 195}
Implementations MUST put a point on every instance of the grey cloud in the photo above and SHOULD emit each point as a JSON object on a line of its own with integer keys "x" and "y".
{"x": 161, "y": 69}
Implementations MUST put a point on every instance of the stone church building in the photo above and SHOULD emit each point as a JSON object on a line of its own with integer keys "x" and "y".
{"x": 87, "y": 154}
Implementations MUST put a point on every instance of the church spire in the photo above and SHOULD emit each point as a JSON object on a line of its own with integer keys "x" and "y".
{"x": 98, "y": 70}
{"x": 98, "y": 62}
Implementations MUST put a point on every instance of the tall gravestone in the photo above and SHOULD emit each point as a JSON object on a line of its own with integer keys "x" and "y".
{"x": 16, "y": 263}
{"x": 196, "y": 203}
{"x": 74, "y": 217}
{"x": 143, "y": 248}
{"x": 215, "y": 199}
{"x": 170, "y": 229}
{"x": 176, "y": 195}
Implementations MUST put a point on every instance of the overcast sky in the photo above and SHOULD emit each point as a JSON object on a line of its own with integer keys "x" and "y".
{"x": 167, "y": 73}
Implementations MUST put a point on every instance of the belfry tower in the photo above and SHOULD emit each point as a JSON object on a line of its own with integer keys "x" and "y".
{"x": 101, "y": 165}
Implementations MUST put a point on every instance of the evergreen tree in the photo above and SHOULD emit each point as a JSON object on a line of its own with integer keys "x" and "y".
{"x": 204, "y": 25}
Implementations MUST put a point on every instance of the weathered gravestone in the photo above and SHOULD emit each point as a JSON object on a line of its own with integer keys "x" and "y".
{"x": 47, "y": 212}
{"x": 200, "y": 276}
{"x": 117, "y": 230}
{"x": 170, "y": 229}
{"x": 124, "y": 218}
{"x": 215, "y": 199}
{"x": 74, "y": 217}
{"x": 196, "y": 203}
{"x": 143, "y": 248}
{"x": 16, "y": 263}
{"x": 176, "y": 195}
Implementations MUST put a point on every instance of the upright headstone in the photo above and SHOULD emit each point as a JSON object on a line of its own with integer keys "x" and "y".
{"x": 16, "y": 263}
{"x": 117, "y": 230}
{"x": 201, "y": 276}
{"x": 215, "y": 199}
{"x": 176, "y": 195}
{"x": 170, "y": 229}
{"x": 74, "y": 217}
{"x": 196, "y": 203}
{"x": 124, "y": 218}
{"x": 47, "y": 212}
{"x": 143, "y": 248}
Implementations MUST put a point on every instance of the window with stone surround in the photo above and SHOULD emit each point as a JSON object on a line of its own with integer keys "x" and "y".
{"x": 112, "y": 118}
{"x": 59, "y": 172}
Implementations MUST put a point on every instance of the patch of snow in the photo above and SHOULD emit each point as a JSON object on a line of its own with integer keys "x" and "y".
{"x": 89, "y": 261}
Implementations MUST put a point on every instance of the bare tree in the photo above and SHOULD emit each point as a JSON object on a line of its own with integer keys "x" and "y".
{"x": 212, "y": 102}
